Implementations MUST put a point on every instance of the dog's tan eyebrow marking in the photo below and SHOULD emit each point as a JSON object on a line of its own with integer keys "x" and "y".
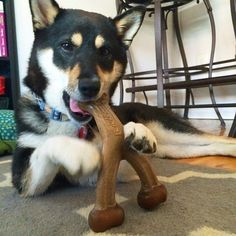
{"x": 113, "y": 75}
{"x": 77, "y": 39}
{"x": 99, "y": 41}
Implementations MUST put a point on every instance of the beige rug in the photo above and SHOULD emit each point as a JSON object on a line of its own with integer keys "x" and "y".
{"x": 200, "y": 202}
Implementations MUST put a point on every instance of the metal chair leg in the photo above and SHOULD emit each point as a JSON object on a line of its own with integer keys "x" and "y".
{"x": 232, "y": 132}
{"x": 213, "y": 45}
{"x": 165, "y": 59}
{"x": 158, "y": 45}
{"x": 189, "y": 93}
{"x": 119, "y": 10}
{"x": 131, "y": 65}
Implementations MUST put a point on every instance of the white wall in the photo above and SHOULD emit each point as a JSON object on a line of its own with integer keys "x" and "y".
{"x": 196, "y": 35}
{"x": 195, "y": 27}
{"x": 24, "y": 35}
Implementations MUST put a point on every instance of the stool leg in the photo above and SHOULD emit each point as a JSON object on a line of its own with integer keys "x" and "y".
{"x": 213, "y": 44}
{"x": 121, "y": 85}
{"x": 119, "y": 10}
{"x": 189, "y": 92}
{"x": 119, "y": 7}
{"x": 158, "y": 45}
{"x": 165, "y": 59}
{"x": 131, "y": 65}
{"x": 232, "y": 132}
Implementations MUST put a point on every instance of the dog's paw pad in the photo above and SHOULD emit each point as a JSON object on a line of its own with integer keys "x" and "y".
{"x": 140, "y": 138}
{"x": 143, "y": 145}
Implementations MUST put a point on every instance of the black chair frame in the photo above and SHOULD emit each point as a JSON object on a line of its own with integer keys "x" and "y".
{"x": 162, "y": 73}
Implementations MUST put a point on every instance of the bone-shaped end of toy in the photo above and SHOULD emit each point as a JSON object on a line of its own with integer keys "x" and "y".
{"x": 150, "y": 199}
{"x": 102, "y": 220}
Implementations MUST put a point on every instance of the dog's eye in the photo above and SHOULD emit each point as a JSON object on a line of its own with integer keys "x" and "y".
{"x": 105, "y": 52}
{"x": 67, "y": 46}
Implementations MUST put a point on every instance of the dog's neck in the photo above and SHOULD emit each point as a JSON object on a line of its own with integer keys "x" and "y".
{"x": 53, "y": 113}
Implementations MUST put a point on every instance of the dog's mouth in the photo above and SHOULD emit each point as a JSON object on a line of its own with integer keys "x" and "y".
{"x": 78, "y": 113}
{"x": 75, "y": 111}
{"x": 74, "y": 107}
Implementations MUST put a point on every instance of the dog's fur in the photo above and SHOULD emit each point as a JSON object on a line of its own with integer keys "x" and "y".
{"x": 76, "y": 56}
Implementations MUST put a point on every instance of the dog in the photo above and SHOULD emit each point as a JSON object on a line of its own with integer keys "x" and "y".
{"x": 76, "y": 56}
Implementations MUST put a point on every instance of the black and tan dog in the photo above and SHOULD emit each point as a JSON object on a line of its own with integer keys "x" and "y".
{"x": 74, "y": 53}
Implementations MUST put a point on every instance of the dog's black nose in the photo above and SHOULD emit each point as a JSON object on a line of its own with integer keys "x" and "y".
{"x": 89, "y": 87}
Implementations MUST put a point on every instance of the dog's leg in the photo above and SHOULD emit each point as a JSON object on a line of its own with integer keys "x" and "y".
{"x": 77, "y": 157}
{"x": 168, "y": 136}
{"x": 188, "y": 151}
{"x": 140, "y": 138}
{"x": 181, "y": 145}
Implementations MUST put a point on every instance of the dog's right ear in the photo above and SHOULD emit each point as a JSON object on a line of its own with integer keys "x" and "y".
{"x": 128, "y": 23}
{"x": 43, "y": 13}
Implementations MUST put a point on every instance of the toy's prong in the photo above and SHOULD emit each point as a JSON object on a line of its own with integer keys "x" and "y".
{"x": 152, "y": 192}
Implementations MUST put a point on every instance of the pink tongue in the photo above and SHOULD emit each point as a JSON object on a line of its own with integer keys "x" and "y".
{"x": 75, "y": 108}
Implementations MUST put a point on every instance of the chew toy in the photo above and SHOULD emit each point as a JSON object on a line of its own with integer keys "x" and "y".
{"x": 107, "y": 213}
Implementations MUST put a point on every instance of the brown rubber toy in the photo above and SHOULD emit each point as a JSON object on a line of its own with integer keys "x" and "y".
{"x": 107, "y": 213}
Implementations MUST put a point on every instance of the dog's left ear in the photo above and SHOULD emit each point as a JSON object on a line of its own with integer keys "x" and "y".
{"x": 43, "y": 12}
{"x": 128, "y": 23}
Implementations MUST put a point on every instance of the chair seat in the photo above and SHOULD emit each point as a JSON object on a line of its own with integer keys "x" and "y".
{"x": 138, "y": 1}
{"x": 171, "y": 4}
{"x": 166, "y": 4}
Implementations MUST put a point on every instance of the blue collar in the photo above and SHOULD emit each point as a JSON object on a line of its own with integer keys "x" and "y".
{"x": 53, "y": 114}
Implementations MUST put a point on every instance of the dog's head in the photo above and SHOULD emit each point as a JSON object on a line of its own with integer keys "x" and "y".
{"x": 78, "y": 55}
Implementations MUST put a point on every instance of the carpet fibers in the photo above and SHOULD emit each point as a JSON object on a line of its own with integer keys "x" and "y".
{"x": 201, "y": 201}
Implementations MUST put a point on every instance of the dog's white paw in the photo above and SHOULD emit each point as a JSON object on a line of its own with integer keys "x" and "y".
{"x": 140, "y": 138}
{"x": 75, "y": 155}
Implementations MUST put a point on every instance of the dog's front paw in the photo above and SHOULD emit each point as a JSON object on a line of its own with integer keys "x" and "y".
{"x": 140, "y": 138}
